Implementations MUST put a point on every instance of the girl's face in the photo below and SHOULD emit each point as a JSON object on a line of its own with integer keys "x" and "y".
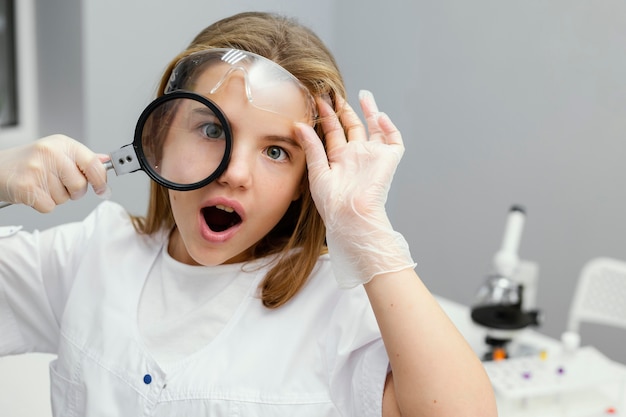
{"x": 218, "y": 223}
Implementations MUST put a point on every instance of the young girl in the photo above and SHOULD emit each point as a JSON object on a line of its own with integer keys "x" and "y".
{"x": 225, "y": 300}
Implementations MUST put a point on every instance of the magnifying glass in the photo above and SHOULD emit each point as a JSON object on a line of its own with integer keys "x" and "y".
{"x": 183, "y": 141}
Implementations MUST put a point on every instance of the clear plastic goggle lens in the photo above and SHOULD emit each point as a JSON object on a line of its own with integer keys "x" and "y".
{"x": 268, "y": 86}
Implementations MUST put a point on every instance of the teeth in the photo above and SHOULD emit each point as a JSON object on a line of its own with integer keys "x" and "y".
{"x": 226, "y": 209}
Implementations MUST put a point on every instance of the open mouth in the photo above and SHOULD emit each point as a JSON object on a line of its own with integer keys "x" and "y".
{"x": 220, "y": 218}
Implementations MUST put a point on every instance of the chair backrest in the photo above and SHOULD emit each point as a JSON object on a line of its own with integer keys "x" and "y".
{"x": 600, "y": 295}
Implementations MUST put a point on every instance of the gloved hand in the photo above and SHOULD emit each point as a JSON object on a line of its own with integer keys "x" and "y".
{"x": 349, "y": 184}
{"x": 50, "y": 171}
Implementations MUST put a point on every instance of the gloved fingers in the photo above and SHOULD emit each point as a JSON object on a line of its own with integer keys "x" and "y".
{"x": 91, "y": 165}
{"x": 371, "y": 113}
{"x": 22, "y": 188}
{"x": 368, "y": 103}
{"x": 66, "y": 180}
{"x": 334, "y": 135}
{"x": 58, "y": 191}
{"x": 379, "y": 125}
{"x": 316, "y": 159}
{"x": 48, "y": 172}
{"x": 61, "y": 171}
{"x": 340, "y": 127}
{"x": 389, "y": 129}
{"x": 44, "y": 198}
{"x": 40, "y": 201}
{"x": 79, "y": 168}
{"x": 351, "y": 122}
{"x": 101, "y": 188}
{"x": 57, "y": 178}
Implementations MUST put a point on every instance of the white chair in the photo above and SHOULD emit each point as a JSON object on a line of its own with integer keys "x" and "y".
{"x": 600, "y": 295}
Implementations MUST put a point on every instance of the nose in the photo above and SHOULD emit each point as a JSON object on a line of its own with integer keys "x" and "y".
{"x": 238, "y": 173}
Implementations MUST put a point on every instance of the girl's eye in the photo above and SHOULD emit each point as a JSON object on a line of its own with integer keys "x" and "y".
{"x": 212, "y": 130}
{"x": 276, "y": 153}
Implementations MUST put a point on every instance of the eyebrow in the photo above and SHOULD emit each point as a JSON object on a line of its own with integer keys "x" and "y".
{"x": 289, "y": 141}
{"x": 203, "y": 110}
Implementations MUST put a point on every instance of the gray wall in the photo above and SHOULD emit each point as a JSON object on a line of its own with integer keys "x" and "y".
{"x": 501, "y": 103}
{"x": 498, "y": 102}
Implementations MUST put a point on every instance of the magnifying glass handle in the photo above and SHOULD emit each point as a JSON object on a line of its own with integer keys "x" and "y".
{"x": 124, "y": 160}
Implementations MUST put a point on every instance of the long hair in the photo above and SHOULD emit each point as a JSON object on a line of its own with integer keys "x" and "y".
{"x": 299, "y": 237}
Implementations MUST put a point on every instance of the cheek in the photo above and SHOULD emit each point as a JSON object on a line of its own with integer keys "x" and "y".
{"x": 286, "y": 189}
{"x": 299, "y": 190}
{"x": 283, "y": 182}
{"x": 174, "y": 205}
{"x": 280, "y": 196}
{"x": 175, "y": 197}
{"x": 178, "y": 200}
{"x": 302, "y": 184}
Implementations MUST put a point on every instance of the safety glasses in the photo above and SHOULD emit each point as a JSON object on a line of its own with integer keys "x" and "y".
{"x": 268, "y": 86}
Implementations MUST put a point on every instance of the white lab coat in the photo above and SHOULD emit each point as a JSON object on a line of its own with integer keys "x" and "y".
{"x": 74, "y": 290}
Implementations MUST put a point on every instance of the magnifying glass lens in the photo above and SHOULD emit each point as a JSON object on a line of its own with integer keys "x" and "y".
{"x": 185, "y": 141}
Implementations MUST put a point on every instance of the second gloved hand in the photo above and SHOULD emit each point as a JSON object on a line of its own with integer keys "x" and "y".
{"x": 349, "y": 184}
{"x": 48, "y": 172}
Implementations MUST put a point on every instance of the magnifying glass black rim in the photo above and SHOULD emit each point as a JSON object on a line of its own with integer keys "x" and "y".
{"x": 138, "y": 144}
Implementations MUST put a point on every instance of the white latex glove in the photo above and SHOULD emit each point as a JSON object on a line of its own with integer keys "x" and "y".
{"x": 50, "y": 171}
{"x": 349, "y": 183}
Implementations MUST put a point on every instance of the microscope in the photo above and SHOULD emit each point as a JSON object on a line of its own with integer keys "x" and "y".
{"x": 500, "y": 306}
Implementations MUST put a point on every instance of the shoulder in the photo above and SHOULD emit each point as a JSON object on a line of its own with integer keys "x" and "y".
{"x": 110, "y": 223}
{"x": 110, "y": 212}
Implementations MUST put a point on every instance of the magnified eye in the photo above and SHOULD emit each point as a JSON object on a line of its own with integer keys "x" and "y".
{"x": 276, "y": 152}
{"x": 212, "y": 130}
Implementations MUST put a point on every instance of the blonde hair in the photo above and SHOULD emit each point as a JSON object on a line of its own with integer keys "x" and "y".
{"x": 299, "y": 237}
